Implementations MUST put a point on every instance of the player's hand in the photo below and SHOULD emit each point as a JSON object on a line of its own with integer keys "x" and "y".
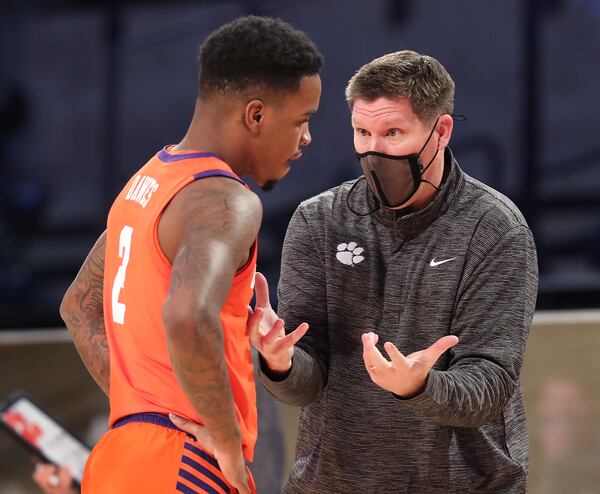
{"x": 404, "y": 375}
{"x": 52, "y": 479}
{"x": 267, "y": 330}
{"x": 231, "y": 463}
{"x": 200, "y": 432}
{"x": 234, "y": 469}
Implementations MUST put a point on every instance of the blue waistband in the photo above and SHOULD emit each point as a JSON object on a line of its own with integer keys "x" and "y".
{"x": 149, "y": 418}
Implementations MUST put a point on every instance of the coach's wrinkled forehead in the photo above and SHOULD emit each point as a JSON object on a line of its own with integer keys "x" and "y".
{"x": 405, "y": 74}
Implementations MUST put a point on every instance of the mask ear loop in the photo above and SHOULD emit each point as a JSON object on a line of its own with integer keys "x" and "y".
{"x": 427, "y": 141}
{"x": 431, "y": 160}
{"x": 457, "y": 117}
{"x": 428, "y": 164}
{"x": 378, "y": 205}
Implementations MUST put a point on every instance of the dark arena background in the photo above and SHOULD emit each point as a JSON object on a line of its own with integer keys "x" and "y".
{"x": 89, "y": 90}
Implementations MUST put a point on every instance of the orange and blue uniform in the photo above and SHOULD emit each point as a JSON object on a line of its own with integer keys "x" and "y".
{"x": 144, "y": 451}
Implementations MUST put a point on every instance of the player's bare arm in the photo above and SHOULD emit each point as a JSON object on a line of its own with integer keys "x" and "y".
{"x": 83, "y": 313}
{"x": 219, "y": 221}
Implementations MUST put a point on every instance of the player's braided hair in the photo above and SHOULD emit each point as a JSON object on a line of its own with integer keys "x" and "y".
{"x": 256, "y": 52}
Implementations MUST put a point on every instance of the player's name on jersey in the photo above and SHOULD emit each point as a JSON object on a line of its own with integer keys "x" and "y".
{"x": 142, "y": 189}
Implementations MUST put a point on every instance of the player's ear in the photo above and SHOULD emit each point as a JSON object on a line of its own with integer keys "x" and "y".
{"x": 254, "y": 116}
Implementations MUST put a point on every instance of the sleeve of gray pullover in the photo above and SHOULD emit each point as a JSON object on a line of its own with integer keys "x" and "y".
{"x": 493, "y": 314}
{"x": 302, "y": 278}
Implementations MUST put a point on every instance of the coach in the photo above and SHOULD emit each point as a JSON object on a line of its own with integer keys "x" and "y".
{"x": 419, "y": 286}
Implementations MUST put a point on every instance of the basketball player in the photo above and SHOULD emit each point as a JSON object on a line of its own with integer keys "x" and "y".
{"x": 158, "y": 311}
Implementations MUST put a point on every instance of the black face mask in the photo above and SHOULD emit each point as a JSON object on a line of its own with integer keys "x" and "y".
{"x": 393, "y": 180}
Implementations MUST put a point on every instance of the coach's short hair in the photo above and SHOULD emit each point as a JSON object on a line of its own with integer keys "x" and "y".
{"x": 405, "y": 74}
{"x": 256, "y": 52}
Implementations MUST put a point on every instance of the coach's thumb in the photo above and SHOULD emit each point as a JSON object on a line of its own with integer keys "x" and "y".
{"x": 436, "y": 350}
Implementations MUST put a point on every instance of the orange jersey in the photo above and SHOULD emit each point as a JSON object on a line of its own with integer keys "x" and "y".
{"x": 136, "y": 281}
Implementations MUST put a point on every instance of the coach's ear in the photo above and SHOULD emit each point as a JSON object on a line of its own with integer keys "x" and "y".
{"x": 254, "y": 116}
{"x": 445, "y": 126}
{"x": 203, "y": 437}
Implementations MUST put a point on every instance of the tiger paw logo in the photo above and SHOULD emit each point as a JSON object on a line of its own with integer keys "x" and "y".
{"x": 349, "y": 253}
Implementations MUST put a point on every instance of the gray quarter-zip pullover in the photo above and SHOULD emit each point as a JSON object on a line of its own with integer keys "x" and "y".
{"x": 465, "y": 265}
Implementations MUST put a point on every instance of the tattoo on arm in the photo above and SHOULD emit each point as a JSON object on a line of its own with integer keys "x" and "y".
{"x": 83, "y": 313}
{"x": 222, "y": 222}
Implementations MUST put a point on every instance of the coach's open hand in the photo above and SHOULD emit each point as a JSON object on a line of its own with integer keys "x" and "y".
{"x": 267, "y": 331}
{"x": 403, "y": 376}
{"x": 232, "y": 463}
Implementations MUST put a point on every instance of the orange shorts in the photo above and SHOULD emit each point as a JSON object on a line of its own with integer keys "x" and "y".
{"x": 147, "y": 453}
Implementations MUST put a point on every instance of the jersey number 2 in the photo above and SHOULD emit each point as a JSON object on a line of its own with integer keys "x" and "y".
{"x": 118, "y": 308}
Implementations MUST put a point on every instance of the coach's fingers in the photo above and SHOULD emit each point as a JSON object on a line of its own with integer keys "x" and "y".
{"x": 253, "y": 326}
{"x": 203, "y": 437}
{"x": 273, "y": 333}
{"x": 298, "y": 333}
{"x": 369, "y": 340}
{"x": 396, "y": 356}
{"x": 371, "y": 355}
{"x": 294, "y": 337}
{"x": 261, "y": 289}
{"x": 436, "y": 350}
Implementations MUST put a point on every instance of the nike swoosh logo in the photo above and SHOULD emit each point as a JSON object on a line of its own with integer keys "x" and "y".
{"x": 435, "y": 263}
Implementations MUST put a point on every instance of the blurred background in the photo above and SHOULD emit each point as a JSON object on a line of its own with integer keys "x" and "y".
{"x": 90, "y": 90}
